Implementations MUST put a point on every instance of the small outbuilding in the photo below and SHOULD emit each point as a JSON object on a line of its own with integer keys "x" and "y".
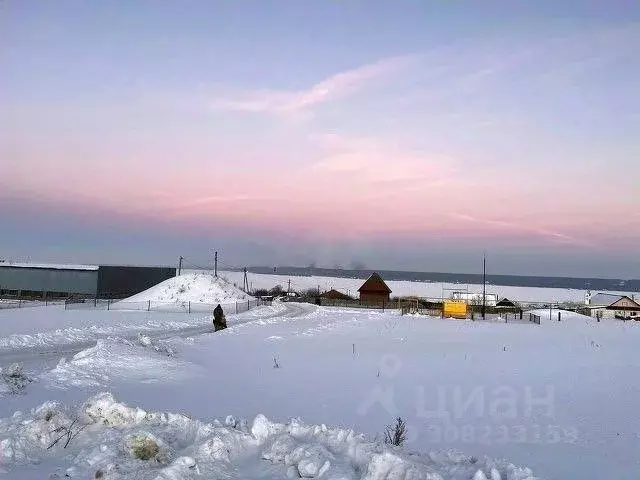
{"x": 374, "y": 291}
{"x": 334, "y": 294}
{"x": 506, "y": 304}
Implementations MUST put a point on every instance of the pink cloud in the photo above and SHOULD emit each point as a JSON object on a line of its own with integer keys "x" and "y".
{"x": 331, "y": 88}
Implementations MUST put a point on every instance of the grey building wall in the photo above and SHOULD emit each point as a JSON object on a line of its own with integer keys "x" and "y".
{"x": 123, "y": 281}
{"x": 83, "y": 282}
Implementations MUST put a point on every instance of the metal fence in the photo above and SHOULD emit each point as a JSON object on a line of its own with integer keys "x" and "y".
{"x": 20, "y": 303}
{"x": 427, "y": 306}
{"x": 162, "y": 306}
{"x": 534, "y": 318}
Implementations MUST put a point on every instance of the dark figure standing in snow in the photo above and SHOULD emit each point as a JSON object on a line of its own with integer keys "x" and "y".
{"x": 219, "y": 320}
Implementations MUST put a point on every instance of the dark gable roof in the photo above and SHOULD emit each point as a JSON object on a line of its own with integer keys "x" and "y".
{"x": 334, "y": 294}
{"x": 374, "y": 283}
{"x": 505, "y": 302}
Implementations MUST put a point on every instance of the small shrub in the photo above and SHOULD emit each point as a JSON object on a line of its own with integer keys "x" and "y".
{"x": 276, "y": 291}
{"x": 144, "y": 448}
{"x": 15, "y": 378}
{"x": 396, "y": 434}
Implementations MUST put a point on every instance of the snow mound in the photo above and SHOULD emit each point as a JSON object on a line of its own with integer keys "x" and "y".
{"x": 119, "y": 359}
{"x": 191, "y": 287}
{"x": 109, "y": 440}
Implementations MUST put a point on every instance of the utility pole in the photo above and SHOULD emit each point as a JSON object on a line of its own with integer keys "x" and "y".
{"x": 484, "y": 285}
{"x": 180, "y": 265}
{"x": 289, "y": 287}
{"x": 246, "y": 282}
{"x": 215, "y": 264}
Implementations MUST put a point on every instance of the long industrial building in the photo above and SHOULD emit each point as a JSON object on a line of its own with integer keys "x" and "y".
{"x": 29, "y": 280}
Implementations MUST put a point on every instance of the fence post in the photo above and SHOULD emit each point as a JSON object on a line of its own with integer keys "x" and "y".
{"x": 559, "y": 316}
{"x": 65, "y": 303}
{"x": 236, "y": 307}
{"x": 248, "y": 305}
{"x": 109, "y": 304}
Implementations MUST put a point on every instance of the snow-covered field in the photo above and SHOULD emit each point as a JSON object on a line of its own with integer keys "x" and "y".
{"x": 559, "y": 399}
{"x": 409, "y": 288}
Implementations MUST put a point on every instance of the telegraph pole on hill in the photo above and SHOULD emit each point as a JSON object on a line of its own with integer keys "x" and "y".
{"x": 484, "y": 285}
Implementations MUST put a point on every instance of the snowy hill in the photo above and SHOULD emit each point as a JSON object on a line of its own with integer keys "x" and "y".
{"x": 192, "y": 287}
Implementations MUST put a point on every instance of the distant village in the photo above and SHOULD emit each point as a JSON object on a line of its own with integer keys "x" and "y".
{"x": 375, "y": 293}
{"x": 47, "y": 281}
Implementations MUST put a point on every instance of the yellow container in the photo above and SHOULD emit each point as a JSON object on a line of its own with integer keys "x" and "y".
{"x": 455, "y": 309}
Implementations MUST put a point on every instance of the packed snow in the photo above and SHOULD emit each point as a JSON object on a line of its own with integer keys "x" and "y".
{"x": 556, "y": 400}
{"x": 403, "y": 288}
{"x": 45, "y": 329}
{"x": 192, "y": 287}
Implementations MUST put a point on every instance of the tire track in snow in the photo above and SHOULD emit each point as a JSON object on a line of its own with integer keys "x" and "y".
{"x": 51, "y": 352}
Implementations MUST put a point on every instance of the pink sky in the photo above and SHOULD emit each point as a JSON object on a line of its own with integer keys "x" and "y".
{"x": 476, "y": 140}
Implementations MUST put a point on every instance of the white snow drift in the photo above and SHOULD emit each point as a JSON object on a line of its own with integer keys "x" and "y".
{"x": 108, "y": 440}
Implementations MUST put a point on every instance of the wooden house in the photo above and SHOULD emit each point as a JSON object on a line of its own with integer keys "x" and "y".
{"x": 606, "y": 305}
{"x": 374, "y": 291}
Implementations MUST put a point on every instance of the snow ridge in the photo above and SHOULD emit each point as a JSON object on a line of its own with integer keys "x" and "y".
{"x": 113, "y": 441}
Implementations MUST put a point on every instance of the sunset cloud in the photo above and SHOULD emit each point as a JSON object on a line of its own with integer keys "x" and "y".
{"x": 510, "y": 226}
{"x": 334, "y": 87}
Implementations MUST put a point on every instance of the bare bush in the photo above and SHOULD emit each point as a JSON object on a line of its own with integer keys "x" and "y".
{"x": 396, "y": 434}
{"x": 15, "y": 378}
{"x": 68, "y": 433}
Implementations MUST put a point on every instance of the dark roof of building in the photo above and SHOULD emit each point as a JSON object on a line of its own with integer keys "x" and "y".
{"x": 505, "y": 302}
{"x": 374, "y": 283}
{"x": 336, "y": 295}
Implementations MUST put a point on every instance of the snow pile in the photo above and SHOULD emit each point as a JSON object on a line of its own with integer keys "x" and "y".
{"x": 191, "y": 287}
{"x": 109, "y": 440}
